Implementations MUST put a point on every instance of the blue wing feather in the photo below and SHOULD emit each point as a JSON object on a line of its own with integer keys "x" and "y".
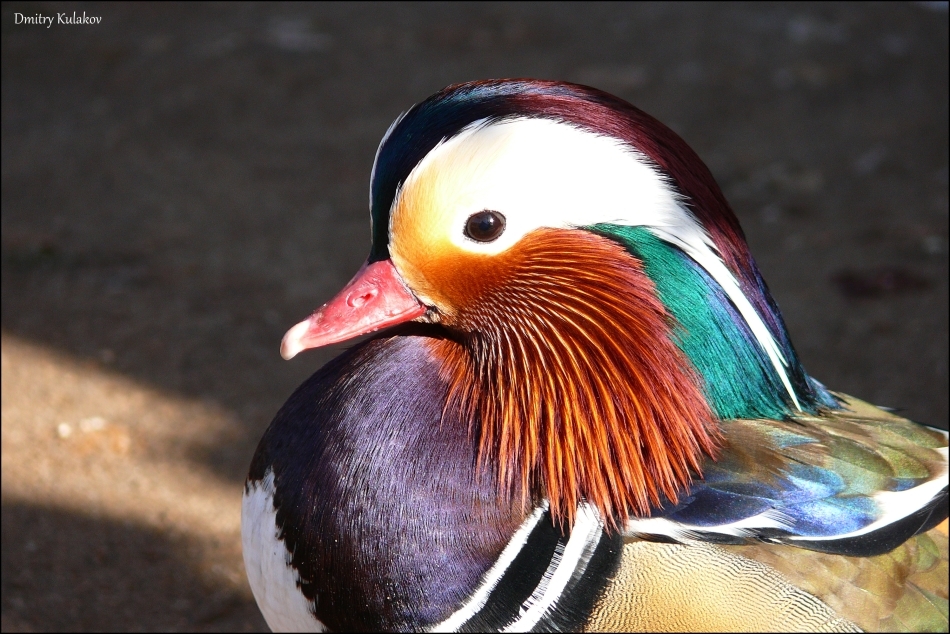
{"x": 816, "y": 478}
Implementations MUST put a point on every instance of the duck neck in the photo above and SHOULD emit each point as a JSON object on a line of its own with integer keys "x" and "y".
{"x": 738, "y": 378}
{"x": 569, "y": 374}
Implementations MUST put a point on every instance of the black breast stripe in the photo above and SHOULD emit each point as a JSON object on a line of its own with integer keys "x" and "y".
{"x": 577, "y": 601}
{"x": 519, "y": 580}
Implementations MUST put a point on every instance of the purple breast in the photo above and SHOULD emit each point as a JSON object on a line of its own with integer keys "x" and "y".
{"x": 377, "y": 494}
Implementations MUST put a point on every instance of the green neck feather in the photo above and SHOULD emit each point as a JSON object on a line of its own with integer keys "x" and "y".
{"x": 740, "y": 381}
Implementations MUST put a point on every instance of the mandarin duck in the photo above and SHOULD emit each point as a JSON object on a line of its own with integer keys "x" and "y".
{"x": 585, "y": 412}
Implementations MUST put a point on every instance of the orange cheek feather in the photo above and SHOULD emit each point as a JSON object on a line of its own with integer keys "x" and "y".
{"x": 566, "y": 370}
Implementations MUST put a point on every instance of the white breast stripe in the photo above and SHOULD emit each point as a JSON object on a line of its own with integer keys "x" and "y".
{"x": 477, "y": 601}
{"x": 538, "y": 593}
{"x": 274, "y": 582}
{"x": 587, "y": 527}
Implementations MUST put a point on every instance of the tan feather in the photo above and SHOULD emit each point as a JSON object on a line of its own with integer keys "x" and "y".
{"x": 772, "y": 588}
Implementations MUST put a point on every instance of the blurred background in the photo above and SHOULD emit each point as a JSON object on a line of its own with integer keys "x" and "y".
{"x": 182, "y": 183}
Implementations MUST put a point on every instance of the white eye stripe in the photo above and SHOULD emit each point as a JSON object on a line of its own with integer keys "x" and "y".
{"x": 540, "y": 173}
{"x": 544, "y": 173}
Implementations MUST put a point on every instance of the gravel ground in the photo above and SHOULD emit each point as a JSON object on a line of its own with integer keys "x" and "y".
{"x": 183, "y": 183}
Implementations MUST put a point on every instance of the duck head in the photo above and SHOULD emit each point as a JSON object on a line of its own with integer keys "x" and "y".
{"x": 603, "y": 308}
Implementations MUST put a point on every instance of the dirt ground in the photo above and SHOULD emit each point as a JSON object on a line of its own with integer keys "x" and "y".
{"x": 182, "y": 183}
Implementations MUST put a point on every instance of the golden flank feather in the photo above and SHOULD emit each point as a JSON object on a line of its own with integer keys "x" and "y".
{"x": 705, "y": 588}
{"x": 892, "y": 592}
{"x": 775, "y": 588}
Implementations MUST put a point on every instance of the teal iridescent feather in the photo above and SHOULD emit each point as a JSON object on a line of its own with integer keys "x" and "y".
{"x": 739, "y": 380}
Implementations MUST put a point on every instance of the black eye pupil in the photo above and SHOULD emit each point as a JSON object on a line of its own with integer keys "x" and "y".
{"x": 485, "y": 226}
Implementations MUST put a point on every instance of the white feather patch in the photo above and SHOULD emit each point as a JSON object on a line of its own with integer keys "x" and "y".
{"x": 746, "y": 527}
{"x": 274, "y": 582}
{"x": 543, "y": 173}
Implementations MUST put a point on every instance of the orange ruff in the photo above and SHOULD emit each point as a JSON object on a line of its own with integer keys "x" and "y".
{"x": 568, "y": 374}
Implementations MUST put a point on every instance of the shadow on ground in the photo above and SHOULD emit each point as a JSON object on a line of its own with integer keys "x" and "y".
{"x": 132, "y": 576}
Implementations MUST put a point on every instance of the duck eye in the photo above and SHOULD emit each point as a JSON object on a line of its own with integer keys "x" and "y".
{"x": 485, "y": 226}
